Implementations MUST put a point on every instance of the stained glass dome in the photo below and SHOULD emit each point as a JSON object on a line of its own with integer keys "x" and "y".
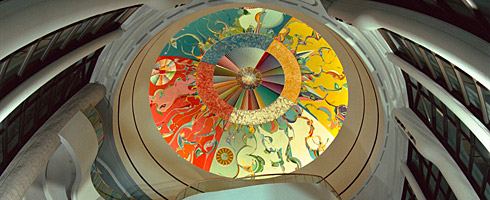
{"x": 248, "y": 91}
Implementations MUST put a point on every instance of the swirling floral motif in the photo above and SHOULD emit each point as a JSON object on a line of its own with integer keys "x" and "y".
{"x": 267, "y": 128}
{"x": 184, "y": 122}
{"x": 324, "y": 86}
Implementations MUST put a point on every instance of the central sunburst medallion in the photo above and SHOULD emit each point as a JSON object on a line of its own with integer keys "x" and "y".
{"x": 248, "y": 91}
{"x": 249, "y": 78}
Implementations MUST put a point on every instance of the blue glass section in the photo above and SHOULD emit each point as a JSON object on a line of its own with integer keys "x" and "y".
{"x": 217, "y": 51}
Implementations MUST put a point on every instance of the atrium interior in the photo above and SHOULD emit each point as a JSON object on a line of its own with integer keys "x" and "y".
{"x": 220, "y": 99}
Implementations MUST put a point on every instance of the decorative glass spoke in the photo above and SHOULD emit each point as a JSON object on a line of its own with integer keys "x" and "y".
{"x": 276, "y": 71}
{"x": 260, "y": 102}
{"x": 223, "y": 86}
{"x": 245, "y": 100}
{"x": 228, "y": 64}
{"x": 273, "y": 86}
{"x": 267, "y": 95}
{"x": 245, "y": 56}
{"x": 278, "y": 79}
{"x": 228, "y": 92}
{"x": 219, "y": 79}
{"x": 253, "y": 100}
{"x": 267, "y": 63}
{"x": 222, "y": 71}
{"x": 233, "y": 98}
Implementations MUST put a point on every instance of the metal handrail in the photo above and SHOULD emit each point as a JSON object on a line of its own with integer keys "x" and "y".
{"x": 276, "y": 178}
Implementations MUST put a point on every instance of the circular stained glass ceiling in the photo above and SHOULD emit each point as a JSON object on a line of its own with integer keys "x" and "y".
{"x": 248, "y": 91}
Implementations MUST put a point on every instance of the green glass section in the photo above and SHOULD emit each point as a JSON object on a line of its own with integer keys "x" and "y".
{"x": 268, "y": 96}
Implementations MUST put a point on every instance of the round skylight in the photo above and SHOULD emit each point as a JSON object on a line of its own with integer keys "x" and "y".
{"x": 248, "y": 91}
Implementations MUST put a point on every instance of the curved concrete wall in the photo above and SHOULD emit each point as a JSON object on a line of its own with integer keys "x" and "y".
{"x": 79, "y": 138}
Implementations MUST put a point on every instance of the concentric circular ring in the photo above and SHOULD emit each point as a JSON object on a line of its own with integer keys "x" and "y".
{"x": 243, "y": 105}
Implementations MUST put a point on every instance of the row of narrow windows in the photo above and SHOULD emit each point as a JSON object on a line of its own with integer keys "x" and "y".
{"x": 461, "y": 86}
{"x": 28, "y": 60}
{"x": 468, "y": 152}
{"x": 470, "y": 15}
{"x": 431, "y": 181}
{"x": 19, "y": 126}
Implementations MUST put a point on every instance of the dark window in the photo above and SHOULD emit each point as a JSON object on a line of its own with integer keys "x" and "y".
{"x": 408, "y": 193}
{"x": 13, "y": 64}
{"x": 31, "y": 114}
{"x": 459, "y": 84}
{"x": 64, "y": 37}
{"x": 429, "y": 178}
{"x": 434, "y": 67}
{"x": 468, "y": 152}
{"x": 472, "y": 94}
{"x": 28, "y": 60}
{"x": 28, "y": 117}
{"x": 474, "y": 19}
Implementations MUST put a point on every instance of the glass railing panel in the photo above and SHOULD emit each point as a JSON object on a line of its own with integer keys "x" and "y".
{"x": 451, "y": 77}
{"x": 213, "y": 185}
{"x": 471, "y": 91}
{"x": 62, "y": 37}
{"x": 434, "y": 66}
{"x": 104, "y": 190}
{"x": 41, "y": 47}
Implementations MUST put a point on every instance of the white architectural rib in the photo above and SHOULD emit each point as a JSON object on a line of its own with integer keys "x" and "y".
{"x": 31, "y": 85}
{"x": 473, "y": 123}
{"x": 463, "y": 49}
{"x": 431, "y": 149}
{"x": 412, "y": 182}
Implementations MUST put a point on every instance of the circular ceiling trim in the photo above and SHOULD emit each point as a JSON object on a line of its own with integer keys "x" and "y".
{"x": 298, "y": 103}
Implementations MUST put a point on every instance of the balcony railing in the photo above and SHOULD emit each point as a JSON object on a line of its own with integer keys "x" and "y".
{"x": 100, "y": 185}
{"x": 213, "y": 185}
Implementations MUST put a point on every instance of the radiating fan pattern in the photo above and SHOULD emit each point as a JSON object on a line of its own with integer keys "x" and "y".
{"x": 248, "y": 91}
{"x": 163, "y": 72}
{"x": 248, "y": 78}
